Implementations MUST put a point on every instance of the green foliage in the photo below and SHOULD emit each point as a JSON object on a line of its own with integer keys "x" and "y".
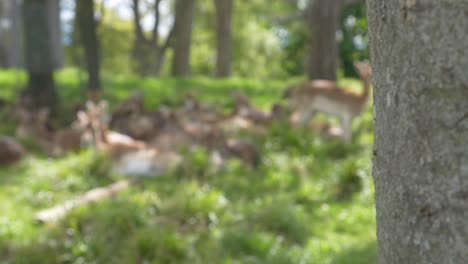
{"x": 116, "y": 42}
{"x": 354, "y": 45}
{"x": 261, "y": 48}
{"x": 288, "y": 210}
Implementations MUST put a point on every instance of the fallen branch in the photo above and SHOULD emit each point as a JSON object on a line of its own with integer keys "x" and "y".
{"x": 58, "y": 212}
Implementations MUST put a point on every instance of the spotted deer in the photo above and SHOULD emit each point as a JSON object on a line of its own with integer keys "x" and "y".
{"x": 329, "y": 98}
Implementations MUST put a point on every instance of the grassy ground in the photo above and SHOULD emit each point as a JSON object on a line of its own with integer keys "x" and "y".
{"x": 310, "y": 200}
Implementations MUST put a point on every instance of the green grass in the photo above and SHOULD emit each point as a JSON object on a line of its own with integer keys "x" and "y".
{"x": 310, "y": 200}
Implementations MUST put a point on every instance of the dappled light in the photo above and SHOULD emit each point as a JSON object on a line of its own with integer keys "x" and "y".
{"x": 172, "y": 131}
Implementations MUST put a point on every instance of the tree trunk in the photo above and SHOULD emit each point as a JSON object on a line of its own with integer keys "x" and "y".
{"x": 421, "y": 129}
{"x": 3, "y": 37}
{"x": 39, "y": 64}
{"x": 140, "y": 45}
{"x": 223, "y": 37}
{"x": 14, "y": 42}
{"x": 55, "y": 32}
{"x": 87, "y": 26}
{"x": 184, "y": 15}
{"x": 148, "y": 53}
{"x": 324, "y": 23}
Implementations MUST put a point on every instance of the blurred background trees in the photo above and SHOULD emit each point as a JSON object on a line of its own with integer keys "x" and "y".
{"x": 253, "y": 39}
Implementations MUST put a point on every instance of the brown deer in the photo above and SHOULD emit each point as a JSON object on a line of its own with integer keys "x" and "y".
{"x": 35, "y": 126}
{"x": 94, "y": 124}
{"x": 131, "y": 118}
{"x": 10, "y": 151}
{"x": 133, "y": 157}
{"x": 243, "y": 108}
{"x": 327, "y": 97}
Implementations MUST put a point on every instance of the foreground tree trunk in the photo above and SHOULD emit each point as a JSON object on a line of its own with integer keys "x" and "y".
{"x": 223, "y": 37}
{"x": 39, "y": 63}
{"x": 87, "y": 26}
{"x": 184, "y": 15}
{"x": 324, "y": 22}
{"x": 421, "y": 129}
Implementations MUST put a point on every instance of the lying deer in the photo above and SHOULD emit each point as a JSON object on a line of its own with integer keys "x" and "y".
{"x": 35, "y": 125}
{"x": 327, "y": 97}
{"x": 134, "y": 157}
{"x": 243, "y": 108}
{"x": 131, "y": 118}
{"x": 10, "y": 151}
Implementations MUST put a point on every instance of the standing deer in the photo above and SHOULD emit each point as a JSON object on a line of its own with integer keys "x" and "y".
{"x": 327, "y": 97}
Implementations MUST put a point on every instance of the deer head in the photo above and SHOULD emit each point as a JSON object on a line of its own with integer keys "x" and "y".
{"x": 364, "y": 69}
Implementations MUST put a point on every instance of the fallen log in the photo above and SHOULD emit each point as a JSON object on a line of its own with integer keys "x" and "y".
{"x": 60, "y": 211}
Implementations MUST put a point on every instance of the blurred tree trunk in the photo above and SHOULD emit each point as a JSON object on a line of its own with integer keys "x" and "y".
{"x": 421, "y": 129}
{"x": 149, "y": 52}
{"x": 324, "y": 23}
{"x": 87, "y": 27}
{"x": 183, "y": 25}
{"x": 3, "y": 37}
{"x": 41, "y": 88}
{"x": 140, "y": 45}
{"x": 14, "y": 45}
{"x": 55, "y": 32}
{"x": 224, "y": 37}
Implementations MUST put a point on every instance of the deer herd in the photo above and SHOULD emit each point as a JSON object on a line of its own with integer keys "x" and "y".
{"x": 149, "y": 141}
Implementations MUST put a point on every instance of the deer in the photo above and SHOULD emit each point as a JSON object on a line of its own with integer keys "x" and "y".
{"x": 131, "y": 118}
{"x": 133, "y": 157}
{"x": 10, "y": 151}
{"x": 35, "y": 126}
{"x": 243, "y": 108}
{"x": 94, "y": 123}
{"x": 329, "y": 98}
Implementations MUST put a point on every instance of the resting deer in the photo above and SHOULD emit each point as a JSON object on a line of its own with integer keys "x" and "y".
{"x": 243, "y": 108}
{"x": 131, "y": 118}
{"x": 10, "y": 151}
{"x": 133, "y": 157}
{"x": 35, "y": 125}
{"x": 327, "y": 97}
{"x": 94, "y": 124}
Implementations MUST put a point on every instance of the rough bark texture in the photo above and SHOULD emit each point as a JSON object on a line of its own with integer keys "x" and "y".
{"x": 184, "y": 15}
{"x": 87, "y": 26}
{"x": 324, "y": 23}
{"x": 421, "y": 129}
{"x": 39, "y": 63}
{"x": 223, "y": 37}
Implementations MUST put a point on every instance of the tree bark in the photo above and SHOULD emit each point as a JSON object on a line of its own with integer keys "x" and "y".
{"x": 41, "y": 89}
{"x": 87, "y": 26}
{"x": 223, "y": 37}
{"x": 3, "y": 37}
{"x": 55, "y": 32}
{"x": 324, "y": 23}
{"x": 15, "y": 17}
{"x": 420, "y": 163}
{"x": 184, "y": 16}
{"x": 149, "y": 53}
